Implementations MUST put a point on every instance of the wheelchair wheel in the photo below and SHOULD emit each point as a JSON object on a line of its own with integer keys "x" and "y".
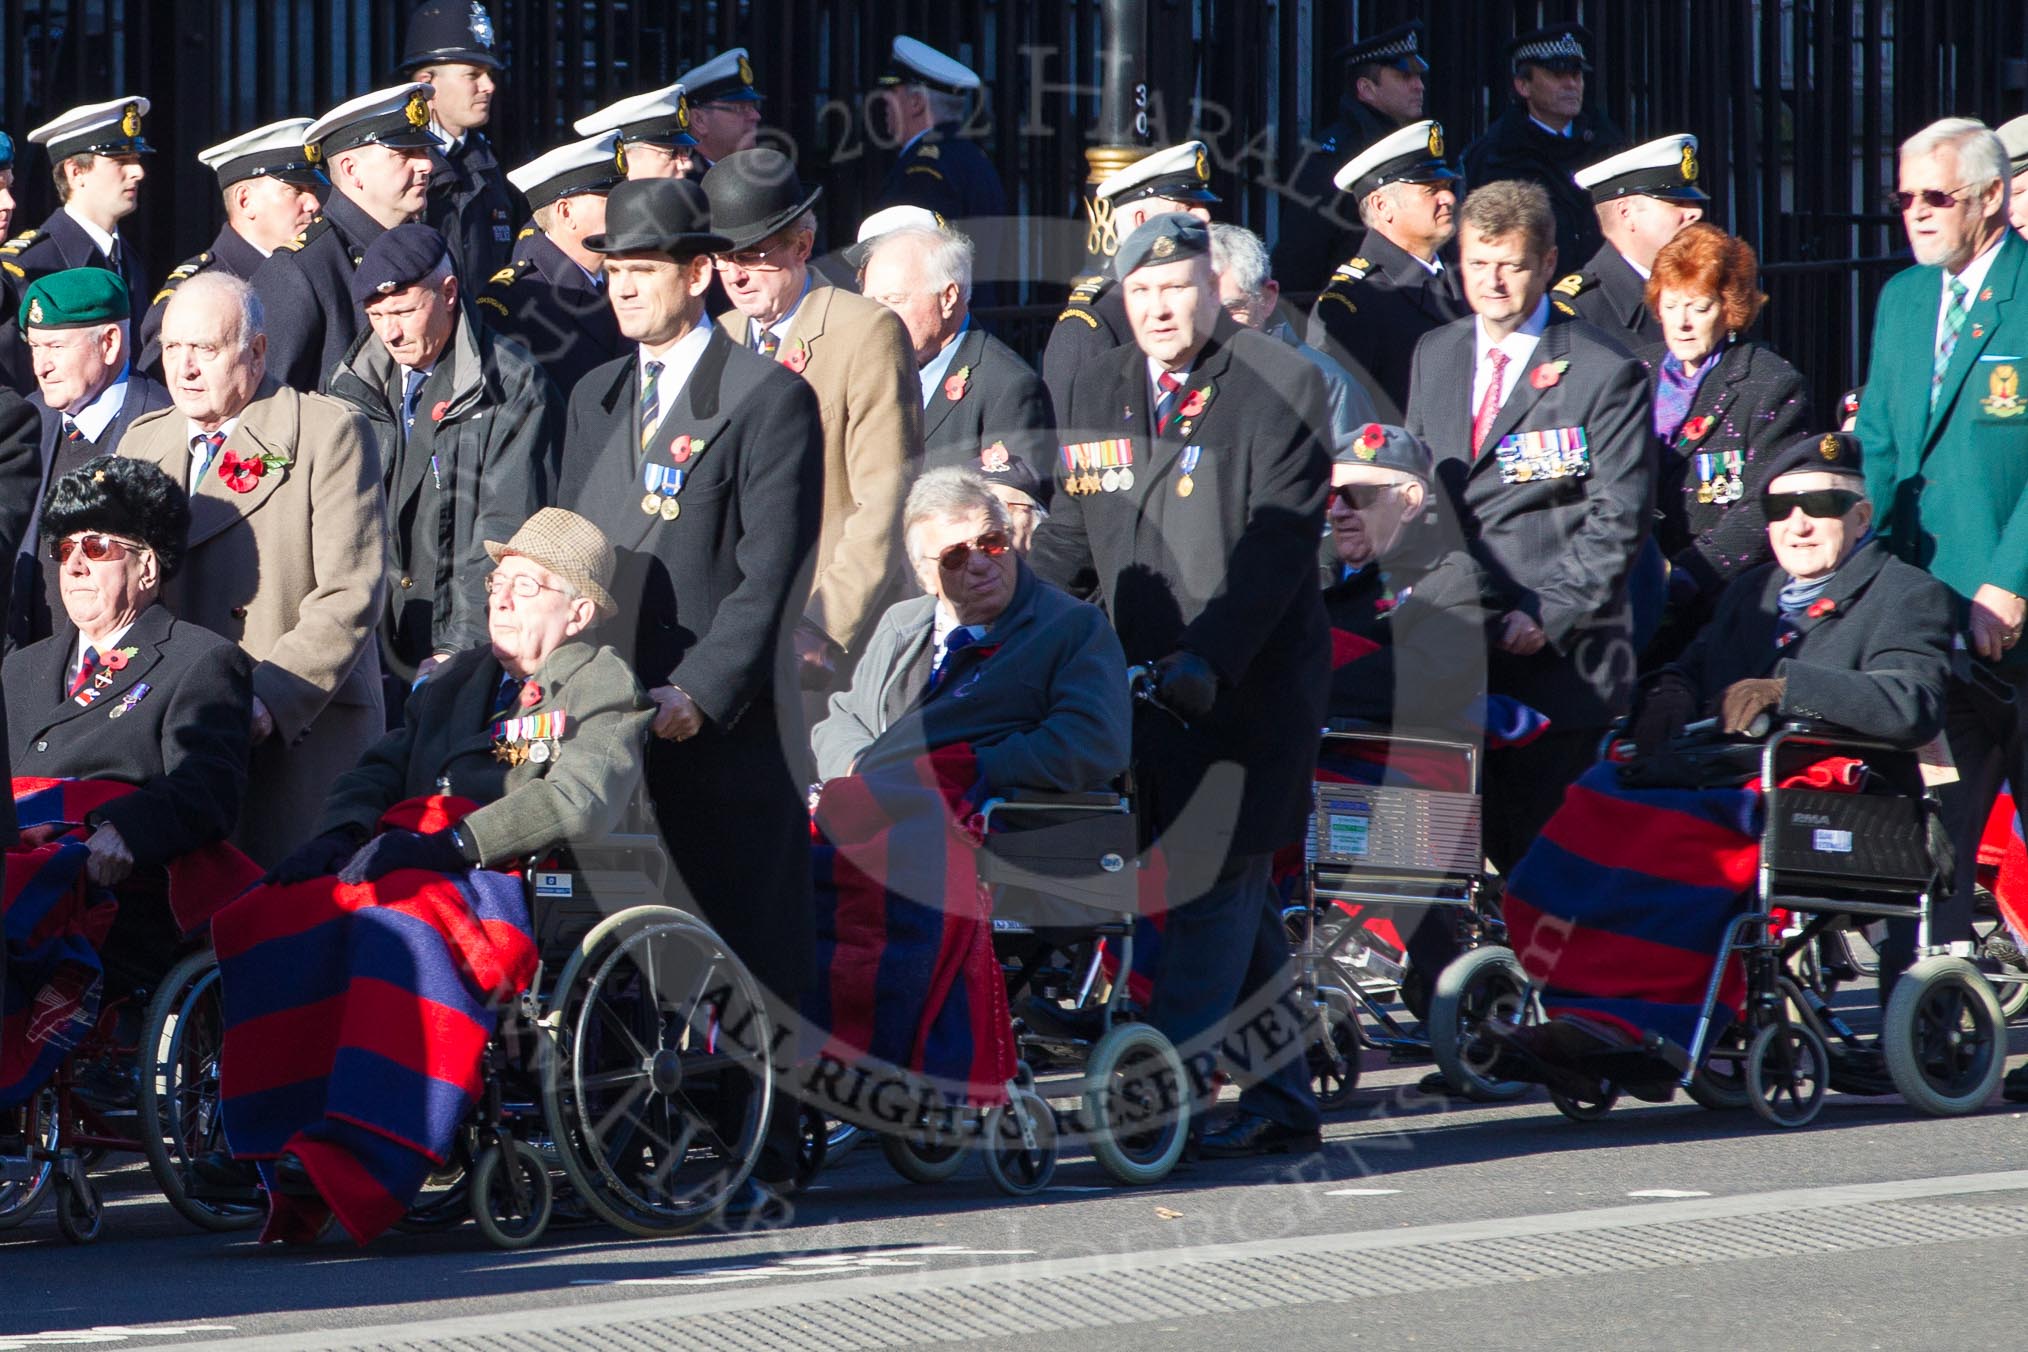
{"x": 80, "y": 1213}
{"x": 1999, "y": 947}
{"x": 1021, "y": 1144}
{"x": 1945, "y": 1040}
{"x": 920, "y": 1158}
{"x": 1334, "y": 1057}
{"x": 813, "y": 1144}
{"x": 1486, "y": 983}
{"x": 511, "y": 1194}
{"x": 1136, "y": 1104}
{"x": 656, "y": 1086}
{"x": 179, "y": 1118}
{"x": 445, "y": 1199}
{"x": 1587, "y": 1107}
{"x": 20, "y": 1199}
{"x": 1788, "y": 1069}
{"x": 1720, "y": 1083}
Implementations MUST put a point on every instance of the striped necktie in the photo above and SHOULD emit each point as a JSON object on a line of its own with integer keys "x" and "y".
{"x": 1947, "y": 340}
{"x": 86, "y": 669}
{"x": 1489, "y": 403}
{"x": 72, "y": 433}
{"x": 411, "y": 391}
{"x": 651, "y": 401}
{"x": 204, "y": 448}
{"x": 767, "y": 342}
{"x": 1165, "y": 407}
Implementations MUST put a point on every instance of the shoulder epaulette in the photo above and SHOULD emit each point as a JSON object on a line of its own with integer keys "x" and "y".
{"x": 24, "y": 240}
{"x": 317, "y": 226}
{"x": 180, "y": 274}
{"x": 526, "y": 231}
{"x": 1573, "y": 286}
{"x": 495, "y": 303}
{"x": 929, "y": 169}
{"x": 1563, "y": 307}
{"x": 1354, "y": 270}
{"x": 929, "y": 150}
{"x": 1087, "y": 290}
{"x": 504, "y": 275}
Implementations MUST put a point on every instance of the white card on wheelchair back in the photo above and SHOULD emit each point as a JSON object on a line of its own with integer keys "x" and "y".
{"x": 1350, "y": 833}
{"x": 552, "y": 884}
{"x": 1831, "y": 842}
{"x": 1934, "y": 759}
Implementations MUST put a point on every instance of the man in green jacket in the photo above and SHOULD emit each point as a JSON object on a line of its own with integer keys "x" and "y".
{"x": 1945, "y": 428}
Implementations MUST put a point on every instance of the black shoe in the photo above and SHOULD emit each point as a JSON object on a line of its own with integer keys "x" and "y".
{"x": 1249, "y": 1134}
{"x": 218, "y": 1171}
{"x": 2014, "y": 1088}
{"x": 758, "y": 1206}
{"x": 292, "y": 1179}
{"x": 1435, "y": 1083}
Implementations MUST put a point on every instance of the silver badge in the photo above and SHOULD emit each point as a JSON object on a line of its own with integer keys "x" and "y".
{"x": 482, "y": 25}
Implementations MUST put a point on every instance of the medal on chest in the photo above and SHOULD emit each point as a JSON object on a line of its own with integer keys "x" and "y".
{"x": 1186, "y": 464}
{"x": 663, "y": 483}
{"x": 533, "y": 737}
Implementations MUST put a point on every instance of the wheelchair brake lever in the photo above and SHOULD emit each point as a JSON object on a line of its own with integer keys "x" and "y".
{"x": 1145, "y": 688}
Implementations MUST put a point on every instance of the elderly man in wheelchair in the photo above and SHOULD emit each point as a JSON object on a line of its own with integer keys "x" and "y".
{"x": 362, "y": 981}
{"x": 128, "y": 733}
{"x": 1649, "y": 915}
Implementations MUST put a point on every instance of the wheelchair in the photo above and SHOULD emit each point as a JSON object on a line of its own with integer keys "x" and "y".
{"x": 1829, "y": 862}
{"x": 1408, "y": 856}
{"x": 1063, "y": 867}
{"x": 629, "y": 1084}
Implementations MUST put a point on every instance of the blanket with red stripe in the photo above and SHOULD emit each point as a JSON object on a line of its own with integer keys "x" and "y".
{"x": 906, "y": 970}
{"x": 55, "y": 920}
{"x": 2003, "y": 863}
{"x": 356, "y": 1021}
{"x": 1619, "y": 909}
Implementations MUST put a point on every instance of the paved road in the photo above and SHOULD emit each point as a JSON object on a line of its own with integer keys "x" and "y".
{"x": 1420, "y": 1224}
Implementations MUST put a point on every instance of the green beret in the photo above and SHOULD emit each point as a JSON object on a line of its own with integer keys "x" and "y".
{"x": 74, "y": 299}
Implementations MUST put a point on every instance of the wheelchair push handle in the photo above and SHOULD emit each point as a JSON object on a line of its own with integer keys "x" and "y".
{"x": 1145, "y": 687}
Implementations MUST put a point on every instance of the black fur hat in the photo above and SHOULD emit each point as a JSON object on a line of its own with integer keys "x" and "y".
{"x": 121, "y": 497}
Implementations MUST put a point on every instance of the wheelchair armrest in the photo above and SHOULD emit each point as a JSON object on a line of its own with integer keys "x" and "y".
{"x": 1366, "y": 725}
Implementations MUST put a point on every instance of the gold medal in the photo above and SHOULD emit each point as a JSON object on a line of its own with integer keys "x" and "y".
{"x": 651, "y": 504}
{"x": 1705, "y": 493}
{"x": 1185, "y": 486}
{"x": 670, "y": 509}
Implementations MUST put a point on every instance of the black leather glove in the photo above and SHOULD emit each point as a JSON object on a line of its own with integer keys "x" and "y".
{"x": 317, "y": 858}
{"x": 1744, "y": 702}
{"x": 391, "y": 850}
{"x": 1186, "y": 683}
{"x": 1667, "y": 703}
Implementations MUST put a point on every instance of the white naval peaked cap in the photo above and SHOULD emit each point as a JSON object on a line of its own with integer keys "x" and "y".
{"x": 274, "y": 151}
{"x": 1664, "y": 167}
{"x": 916, "y": 62}
{"x": 109, "y": 128}
{"x": 1178, "y": 173}
{"x": 591, "y": 165}
{"x": 660, "y": 117}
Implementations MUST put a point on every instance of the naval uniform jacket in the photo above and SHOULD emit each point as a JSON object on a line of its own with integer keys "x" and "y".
{"x": 229, "y": 253}
{"x": 174, "y": 722}
{"x": 1375, "y": 309}
{"x": 1557, "y": 538}
{"x": 451, "y": 729}
{"x": 35, "y": 573}
{"x": 558, "y": 313}
{"x": 1608, "y": 292}
{"x": 1870, "y": 655}
{"x": 1225, "y": 570}
{"x": 1093, "y": 323}
{"x": 61, "y": 243}
{"x": 306, "y": 289}
{"x": 1000, "y": 402}
{"x": 707, "y": 602}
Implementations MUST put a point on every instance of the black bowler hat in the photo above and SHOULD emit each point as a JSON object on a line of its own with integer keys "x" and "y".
{"x": 658, "y": 215}
{"x": 451, "y": 30}
{"x": 755, "y": 193}
{"x": 396, "y": 260}
{"x": 1825, "y": 452}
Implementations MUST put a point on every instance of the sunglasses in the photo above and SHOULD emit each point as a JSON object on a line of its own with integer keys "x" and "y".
{"x": 992, "y": 544}
{"x": 1823, "y": 504}
{"x": 1361, "y": 497}
{"x": 97, "y": 548}
{"x": 1935, "y": 198}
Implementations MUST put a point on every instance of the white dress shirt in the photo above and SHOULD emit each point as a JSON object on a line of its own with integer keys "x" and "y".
{"x": 1155, "y": 374}
{"x": 678, "y": 360}
{"x": 102, "y": 647}
{"x": 192, "y": 433}
{"x": 1519, "y": 347}
{"x": 94, "y": 418}
{"x": 932, "y": 374}
{"x": 109, "y": 245}
{"x": 780, "y": 328}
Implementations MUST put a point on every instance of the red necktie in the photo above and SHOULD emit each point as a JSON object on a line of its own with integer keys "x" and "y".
{"x": 86, "y": 669}
{"x": 1172, "y": 395}
{"x": 1489, "y": 406}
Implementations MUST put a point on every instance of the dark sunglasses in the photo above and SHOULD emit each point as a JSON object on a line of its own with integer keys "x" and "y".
{"x": 98, "y": 548}
{"x": 992, "y": 544}
{"x": 1360, "y": 497}
{"x": 1934, "y": 198}
{"x": 1823, "y": 503}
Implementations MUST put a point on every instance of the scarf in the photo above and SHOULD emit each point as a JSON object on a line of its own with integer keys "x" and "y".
{"x": 1674, "y": 393}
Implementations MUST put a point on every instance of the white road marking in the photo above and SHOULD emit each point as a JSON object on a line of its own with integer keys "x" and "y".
{"x": 1668, "y": 1192}
{"x": 104, "y": 1333}
{"x": 1362, "y": 1192}
{"x": 813, "y": 1265}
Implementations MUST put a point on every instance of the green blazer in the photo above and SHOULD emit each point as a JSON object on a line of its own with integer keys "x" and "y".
{"x": 446, "y": 744}
{"x": 1950, "y": 486}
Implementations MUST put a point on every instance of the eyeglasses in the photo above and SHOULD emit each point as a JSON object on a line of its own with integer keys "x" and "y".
{"x": 521, "y": 584}
{"x": 1362, "y": 497}
{"x": 97, "y": 547}
{"x": 1934, "y": 198}
{"x": 1823, "y": 504}
{"x": 746, "y": 260}
{"x": 992, "y": 544}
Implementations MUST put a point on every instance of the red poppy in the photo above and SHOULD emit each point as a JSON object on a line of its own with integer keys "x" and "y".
{"x": 1194, "y": 403}
{"x": 437, "y": 413}
{"x": 1697, "y": 428}
{"x": 994, "y": 459}
{"x": 797, "y": 357}
{"x": 116, "y": 660}
{"x": 1542, "y": 377}
{"x": 1821, "y": 607}
{"x": 1372, "y": 437}
{"x": 240, "y": 475}
{"x": 954, "y": 387}
{"x": 679, "y": 449}
{"x": 1383, "y": 604}
{"x": 531, "y": 695}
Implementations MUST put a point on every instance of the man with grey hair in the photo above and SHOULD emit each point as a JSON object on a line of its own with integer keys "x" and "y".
{"x": 1943, "y": 423}
{"x": 989, "y": 655}
{"x": 1250, "y": 295}
{"x": 469, "y": 430}
{"x": 983, "y": 406}
{"x": 288, "y": 529}
{"x": 2014, "y": 140}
